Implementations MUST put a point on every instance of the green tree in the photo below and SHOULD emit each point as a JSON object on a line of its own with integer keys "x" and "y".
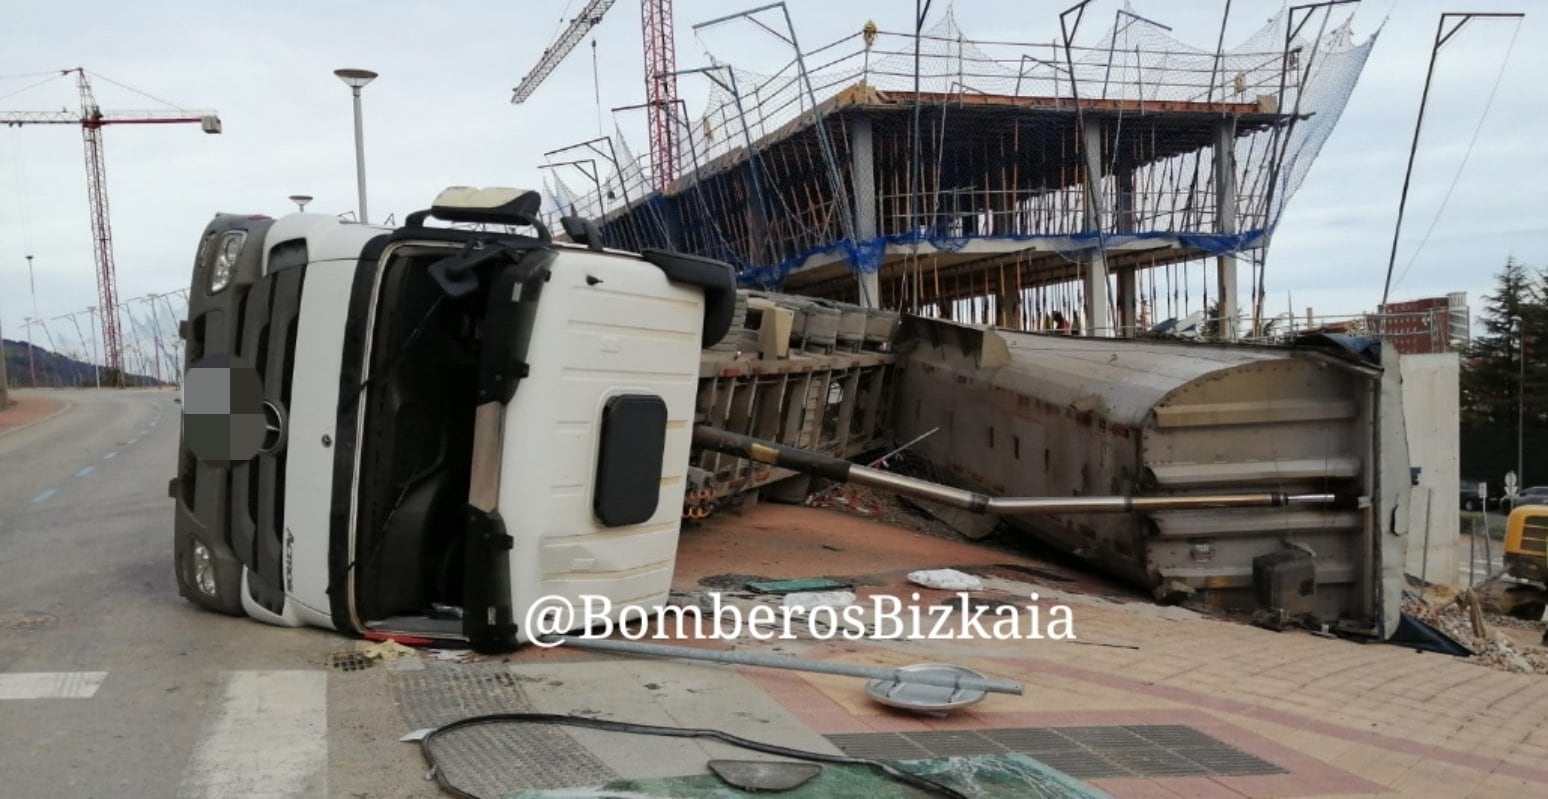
{"x": 1493, "y": 375}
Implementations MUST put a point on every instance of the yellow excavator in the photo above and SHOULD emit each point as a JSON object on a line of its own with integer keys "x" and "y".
{"x": 1526, "y": 559}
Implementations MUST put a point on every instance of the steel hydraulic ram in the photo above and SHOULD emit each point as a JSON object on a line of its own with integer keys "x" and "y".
{"x": 843, "y": 471}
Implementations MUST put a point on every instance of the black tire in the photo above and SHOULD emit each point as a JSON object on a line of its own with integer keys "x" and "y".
{"x": 1470, "y": 504}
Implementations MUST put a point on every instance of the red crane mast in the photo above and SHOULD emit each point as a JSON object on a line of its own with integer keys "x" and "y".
{"x": 660, "y": 83}
{"x": 91, "y": 120}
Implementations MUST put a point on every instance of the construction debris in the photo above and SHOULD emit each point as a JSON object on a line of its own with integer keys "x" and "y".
{"x": 760, "y": 775}
{"x": 1468, "y": 602}
{"x": 806, "y": 600}
{"x": 387, "y": 650}
{"x": 946, "y": 580}
{"x": 1492, "y": 648}
{"x": 452, "y": 655}
{"x": 886, "y": 508}
{"x": 798, "y": 585}
{"x": 851, "y": 499}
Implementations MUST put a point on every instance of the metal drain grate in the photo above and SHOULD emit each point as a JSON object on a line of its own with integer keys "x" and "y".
{"x": 499, "y": 759}
{"x": 1147, "y": 750}
{"x": 349, "y": 661}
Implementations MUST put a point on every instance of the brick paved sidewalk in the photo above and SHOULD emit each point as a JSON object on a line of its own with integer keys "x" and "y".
{"x": 1327, "y": 717}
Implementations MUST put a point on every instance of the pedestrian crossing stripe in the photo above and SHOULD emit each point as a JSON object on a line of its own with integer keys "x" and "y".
{"x": 51, "y": 684}
{"x": 267, "y": 736}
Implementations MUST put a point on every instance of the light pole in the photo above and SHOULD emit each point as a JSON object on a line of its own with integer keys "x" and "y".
{"x": 32, "y": 367}
{"x": 96, "y": 366}
{"x": 302, "y": 199}
{"x": 356, "y": 79}
{"x": 155, "y": 331}
{"x": 5, "y": 387}
{"x": 84, "y": 351}
{"x": 32, "y": 286}
{"x": 178, "y": 353}
{"x": 1520, "y": 396}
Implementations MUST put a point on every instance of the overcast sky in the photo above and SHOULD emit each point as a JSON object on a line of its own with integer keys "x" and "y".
{"x": 440, "y": 115}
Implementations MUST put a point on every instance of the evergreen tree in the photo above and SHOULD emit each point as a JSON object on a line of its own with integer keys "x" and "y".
{"x": 1492, "y": 373}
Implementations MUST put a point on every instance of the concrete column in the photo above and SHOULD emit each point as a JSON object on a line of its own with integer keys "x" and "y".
{"x": 1128, "y": 293}
{"x": 863, "y": 170}
{"x": 1124, "y": 213}
{"x": 1096, "y": 321}
{"x": 1009, "y": 306}
{"x": 754, "y": 214}
{"x": 1128, "y": 301}
{"x": 1225, "y": 222}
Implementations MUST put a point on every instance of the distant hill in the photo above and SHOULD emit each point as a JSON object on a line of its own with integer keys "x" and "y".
{"x": 55, "y": 370}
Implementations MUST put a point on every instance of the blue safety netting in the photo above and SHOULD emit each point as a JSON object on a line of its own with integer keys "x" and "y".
{"x": 867, "y": 256}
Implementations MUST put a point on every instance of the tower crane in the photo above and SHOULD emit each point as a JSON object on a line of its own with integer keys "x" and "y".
{"x": 91, "y": 120}
{"x": 660, "y": 64}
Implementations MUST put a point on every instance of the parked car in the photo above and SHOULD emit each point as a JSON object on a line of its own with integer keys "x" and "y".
{"x": 1535, "y": 495}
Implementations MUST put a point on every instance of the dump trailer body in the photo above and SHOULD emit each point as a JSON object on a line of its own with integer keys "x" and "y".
{"x": 1047, "y": 415}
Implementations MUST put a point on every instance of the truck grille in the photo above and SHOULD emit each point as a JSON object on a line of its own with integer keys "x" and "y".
{"x": 267, "y": 342}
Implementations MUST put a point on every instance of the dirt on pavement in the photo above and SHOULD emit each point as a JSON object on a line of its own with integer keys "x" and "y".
{"x": 26, "y": 410}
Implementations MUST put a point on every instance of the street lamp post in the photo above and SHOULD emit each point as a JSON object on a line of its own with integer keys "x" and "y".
{"x": 1520, "y": 397}
{"x": 5, "y": 386}
{"x": 302, "y": 199}
{"x": 32, "y": 367}
{"x": 96, "y": 366}
{"x": 356, "y": 79}
{"x": 32, "y": 286}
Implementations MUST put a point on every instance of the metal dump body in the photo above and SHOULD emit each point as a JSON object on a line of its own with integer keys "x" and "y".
{"x": 1047, "y": 415}
{"x": 809, "y": 374}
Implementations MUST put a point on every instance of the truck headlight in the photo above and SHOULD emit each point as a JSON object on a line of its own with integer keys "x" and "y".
{"x": 203, "y": 569}
{"x": 227, "y": 249}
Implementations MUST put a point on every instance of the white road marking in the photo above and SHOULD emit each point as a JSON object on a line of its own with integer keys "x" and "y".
{"x": 131, "y": 442}
{"x": 85, "y": 470}
{"x": 110, "y": 456}
{"x": 51, "y": 685}
{"x": 44, "y": 495}
{"x": 267, "y": 737}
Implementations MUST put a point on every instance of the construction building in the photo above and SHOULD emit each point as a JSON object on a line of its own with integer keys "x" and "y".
{"x": 1100, "y": 188}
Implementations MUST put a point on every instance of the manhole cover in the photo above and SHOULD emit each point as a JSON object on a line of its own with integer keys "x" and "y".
{"x": 22, "y": 621}
{"x": 349, "y": 661}
{"x": 495, "y": 759}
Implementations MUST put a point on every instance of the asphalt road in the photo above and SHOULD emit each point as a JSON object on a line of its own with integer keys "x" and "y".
{"x": 111, "y": 685}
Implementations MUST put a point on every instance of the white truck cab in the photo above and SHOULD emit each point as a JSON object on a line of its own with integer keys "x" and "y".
{"x": 422, "y": 430}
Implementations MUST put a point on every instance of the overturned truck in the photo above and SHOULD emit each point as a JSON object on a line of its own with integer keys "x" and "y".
{"x": 427, "y": 431}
